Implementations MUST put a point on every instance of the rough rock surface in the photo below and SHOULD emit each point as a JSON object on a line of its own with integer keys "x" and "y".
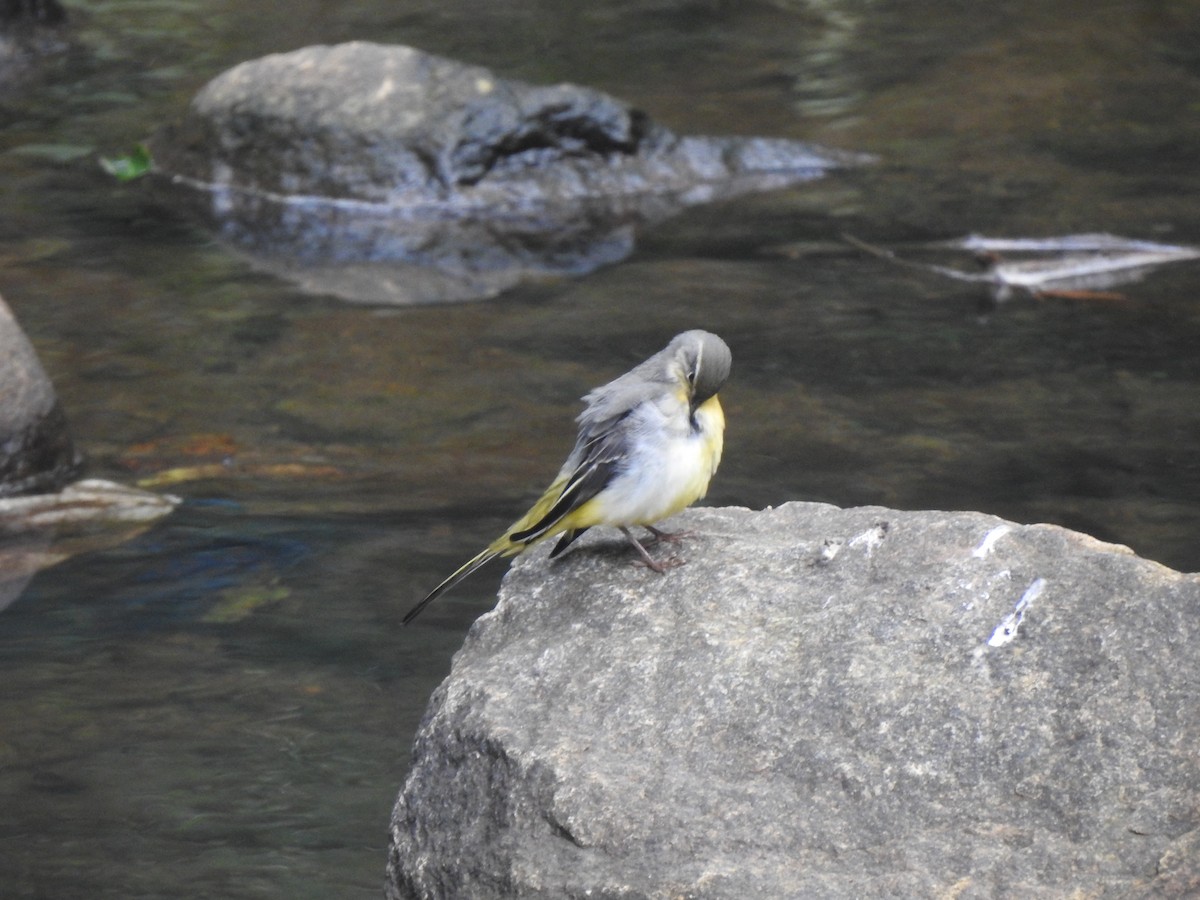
{"x": 820, "y": 703}
{"x": 363, "y": 153}
{"x": 36, "y": 452}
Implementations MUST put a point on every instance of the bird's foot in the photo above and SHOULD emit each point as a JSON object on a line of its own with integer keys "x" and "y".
{"x": 646, "y": 559}
{"x": 660, "y": 566}
{"x": 671, "y": 537}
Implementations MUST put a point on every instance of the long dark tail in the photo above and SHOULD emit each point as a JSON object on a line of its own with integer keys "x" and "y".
{"x": 458, "y": 575}
{"x": 567, "y": 540}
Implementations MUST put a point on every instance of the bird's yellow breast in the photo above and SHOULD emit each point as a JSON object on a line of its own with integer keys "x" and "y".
{"x": 711, "y": 419}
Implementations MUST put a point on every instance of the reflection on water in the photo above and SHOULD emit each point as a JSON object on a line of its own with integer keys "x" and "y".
{"x": 224, "y": 706}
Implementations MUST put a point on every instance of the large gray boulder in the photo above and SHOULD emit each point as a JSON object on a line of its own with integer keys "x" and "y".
{"x": 384, "y": 173}
{"x": 36, "y": 451}
{"x": 821, "y": 703}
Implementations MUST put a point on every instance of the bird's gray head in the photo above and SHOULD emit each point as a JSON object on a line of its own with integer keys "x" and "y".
{"x": 705, "y": 359}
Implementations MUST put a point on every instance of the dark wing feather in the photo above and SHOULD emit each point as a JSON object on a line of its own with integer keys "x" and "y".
{"x": 602, "y": 457}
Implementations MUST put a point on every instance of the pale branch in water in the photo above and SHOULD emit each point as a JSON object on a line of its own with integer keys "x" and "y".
{"x": 1078, "y": 265}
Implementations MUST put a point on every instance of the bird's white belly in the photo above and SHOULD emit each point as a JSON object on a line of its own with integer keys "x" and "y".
{"x": 658, "y": 482}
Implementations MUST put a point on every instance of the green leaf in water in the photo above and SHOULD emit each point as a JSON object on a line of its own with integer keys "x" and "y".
{"x": 126, "y": 168}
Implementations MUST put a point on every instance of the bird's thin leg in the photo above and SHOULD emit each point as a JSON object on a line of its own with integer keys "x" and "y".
{"x": 659, "y": 567}
{"x": 671, "y": 537}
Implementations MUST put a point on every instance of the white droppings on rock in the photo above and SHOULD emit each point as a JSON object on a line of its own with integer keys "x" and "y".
{"x": 386, "y": 88}
{"x": 871, "y": 539}
{"x": 1006, "y": 631}
{"x": 989, "y": 541}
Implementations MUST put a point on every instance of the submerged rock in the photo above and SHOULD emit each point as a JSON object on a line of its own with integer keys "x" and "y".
{"x": 387, "y": 174}
{"x": 43, "y": 518}
{"x": 821, "y": 703}
{"x": 36, "y": 452}
{"x": 29, "y": 30}
{"x": 42, "y": 530}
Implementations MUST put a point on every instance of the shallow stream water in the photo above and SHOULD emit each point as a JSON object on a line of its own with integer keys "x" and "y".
{"x": 224, "y": 706}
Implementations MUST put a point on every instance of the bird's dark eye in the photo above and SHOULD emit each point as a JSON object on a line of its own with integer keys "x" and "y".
{"x": 692, "y": 373}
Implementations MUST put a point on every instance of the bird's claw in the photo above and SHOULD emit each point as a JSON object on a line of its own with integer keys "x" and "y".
{"x": 673, "y": 562}
{"x": 671, "y": 537}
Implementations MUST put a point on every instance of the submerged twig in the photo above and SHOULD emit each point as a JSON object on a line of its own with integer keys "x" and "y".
{"x": 1075, "y": 266}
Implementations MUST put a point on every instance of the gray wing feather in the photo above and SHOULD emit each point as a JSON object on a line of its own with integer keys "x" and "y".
{"x": 608, "y": 404}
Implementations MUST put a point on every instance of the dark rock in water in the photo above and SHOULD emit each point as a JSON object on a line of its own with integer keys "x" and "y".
{"x": 821, "y": 703}
{"x": 21, "y": 13}
{"x": 16, "y": 15}
{"x": 36, "y": 452}
{"x": 29, "y": 29}
{"x": 380, "y": 163}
